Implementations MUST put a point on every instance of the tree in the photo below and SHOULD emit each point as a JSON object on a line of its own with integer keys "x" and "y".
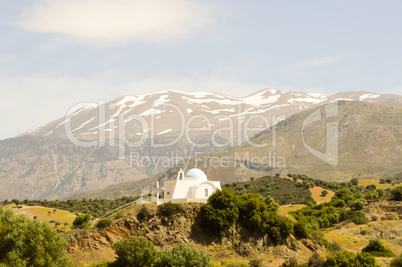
{"x": 354, "y": 181}
{"x": 54, "y": 211}
{"x": 25, "y": 242}
{"x": 135, "y": 251}
{"x": 49, "y": 212}
{"x": 357, "y": 204}
{"x": 257, "y": 214}
{"x": 183, "y": 255}
{"x": 324, "y": 193}
{"x": 397, "y": 193}
{"x": 104, "y": 223}
{"x": 377, "y": 249}
{"x": 82, "y": 221}
{"x": 300, "y": 230}
{"x": 221, "y": 210}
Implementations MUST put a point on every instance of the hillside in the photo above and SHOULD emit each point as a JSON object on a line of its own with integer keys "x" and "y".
{"x": 370, "y": 147}
{"x": 43, "y": 163}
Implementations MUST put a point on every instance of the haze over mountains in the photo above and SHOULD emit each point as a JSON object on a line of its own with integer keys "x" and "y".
{"x": 43, "y": 163}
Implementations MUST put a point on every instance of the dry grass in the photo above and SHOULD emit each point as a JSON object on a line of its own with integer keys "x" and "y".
{"x": 366, "y": 182}
{"x": 42, "y": 214}
{"x": 285, "y": 209}
{"x": 316, "y": 194}
{"x": 349, "y": 237}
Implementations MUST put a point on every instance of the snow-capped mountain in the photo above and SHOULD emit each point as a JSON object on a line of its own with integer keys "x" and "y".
{"x": 167, "y": 114}
{"x": 43, "y": 163}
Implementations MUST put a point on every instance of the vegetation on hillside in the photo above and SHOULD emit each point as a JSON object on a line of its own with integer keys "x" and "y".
{"x": 25, "y": 242}
{"x": 94, "y": 207}
{"x": 282, "y": 190}
{"x": 251, "y": 211}
{"x": 377, "y": 249}
{"x": 138, "y": 251}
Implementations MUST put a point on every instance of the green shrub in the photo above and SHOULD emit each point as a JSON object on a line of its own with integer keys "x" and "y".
{"x": 315, "y": 260}
{"x": 82, "y": 221}
{"x": 285, "y": 225}
{"x": 104, "y": 223}
{"x": 255, "y": 262}
{"x": 300, "y": 230}
{"x": 377, "y": 249}
{"x": 135, "y": 251}
{"x": 359, "y": 220}
{"x": 357, "y": 204}
{"x": 346, "y": 258}
{"x": 25, "y": 242}
{"x": 169, "y": 209}
{"x": 221, "y": 210}
{"x": 396, "y": 193}
{"x": 256, "y": 213}
{"x": 183, "y": 255}
{"x": 333, "y": 247}
{"x": 397, "y": 262}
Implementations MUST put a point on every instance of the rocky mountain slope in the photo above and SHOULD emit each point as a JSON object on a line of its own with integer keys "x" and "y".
{"x": 48, "y": 163}
{"x": 369, "y": 146}
{"x": 96, "y": 246}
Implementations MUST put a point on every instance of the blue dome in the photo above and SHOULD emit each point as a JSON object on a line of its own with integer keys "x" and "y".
{"x": 196, "y": 173}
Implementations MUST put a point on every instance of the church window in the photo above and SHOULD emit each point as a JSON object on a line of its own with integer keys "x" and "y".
{"x": 206, "y": 192}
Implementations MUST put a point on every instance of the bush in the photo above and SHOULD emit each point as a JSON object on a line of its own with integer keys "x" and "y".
{"x": 25, "y": 242}
{"x": 377, "y": 249}
{"x": 104, "y": 223}
{"x": 183, "y": 255}
{"x": 285, "y": 225}
{"x": 300, "y": 230}
{"x": 292, "y": 262}
{"x": 221, "y": 210}
{"x": 135, "y": 251}
{"x": 257, "y": 214}
{"x": 82, "y": 221}
{"x": 334, "y": 247}
{"x": 346, "y": 258}
{"x": 359, "y": 220}
{"x": 315, "y": 260}
{"x": 397, "y": 262}
{"x": 396, "y": 193}
{"x": 255, "y": 262}
{"x": 357, "y": 204}
{"x": 374, "y": 217}
{"x": 169, "y": 209}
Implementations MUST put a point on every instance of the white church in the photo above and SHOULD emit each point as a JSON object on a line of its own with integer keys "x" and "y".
{"x": 190, "y": 187}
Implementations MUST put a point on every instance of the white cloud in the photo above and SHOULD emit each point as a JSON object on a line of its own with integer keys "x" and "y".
{"x": 310, "y": 63}
{"x": 106, "y": 22}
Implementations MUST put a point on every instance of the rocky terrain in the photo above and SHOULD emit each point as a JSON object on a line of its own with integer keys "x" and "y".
{"x": 46, "y": 164}
{"x": 85, "y": 246}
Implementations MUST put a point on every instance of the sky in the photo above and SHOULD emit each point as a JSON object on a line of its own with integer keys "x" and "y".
{"x": 56, "y": 53}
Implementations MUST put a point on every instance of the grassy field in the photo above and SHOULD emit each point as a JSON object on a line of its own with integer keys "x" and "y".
{"x": 349, "y": 237}
{"x": 42, "y": 214}
{"x": 366, "y": 182}
{"x": 285, "y": 209}
{"x": 316, "y": 194}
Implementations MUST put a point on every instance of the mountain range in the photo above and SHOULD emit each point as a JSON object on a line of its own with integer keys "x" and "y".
{"x": 57, "y": 159}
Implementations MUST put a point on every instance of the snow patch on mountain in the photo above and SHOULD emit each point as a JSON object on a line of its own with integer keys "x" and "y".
{"x": 364, "y": 96}
{"x": 165, "y": 132}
